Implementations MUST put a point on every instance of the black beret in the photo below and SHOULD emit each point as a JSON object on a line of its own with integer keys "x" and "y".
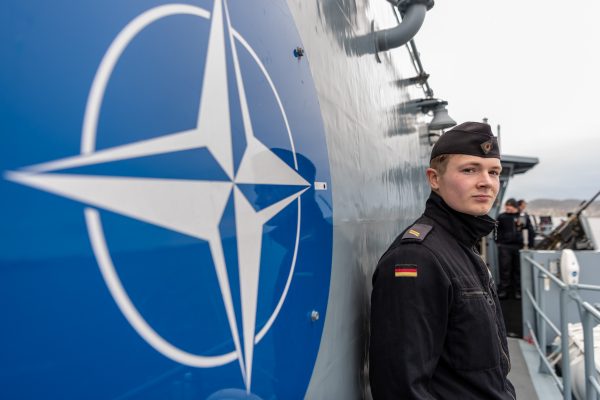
{"x": 470, "y": 138}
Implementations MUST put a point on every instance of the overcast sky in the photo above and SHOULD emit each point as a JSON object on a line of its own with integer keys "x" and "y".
{"x": 534, "y": 68}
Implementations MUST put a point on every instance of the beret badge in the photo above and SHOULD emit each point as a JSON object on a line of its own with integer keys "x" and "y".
{"x": 487, "y": 146}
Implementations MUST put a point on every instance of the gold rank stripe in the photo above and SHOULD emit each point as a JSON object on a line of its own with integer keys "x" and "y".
{"x": 414, "y": 233}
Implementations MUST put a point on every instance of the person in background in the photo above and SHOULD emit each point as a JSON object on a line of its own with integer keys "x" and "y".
{"x": 437, "y": 330}
{"x": 509, "y": 242}
{"x": 528, "y": 228}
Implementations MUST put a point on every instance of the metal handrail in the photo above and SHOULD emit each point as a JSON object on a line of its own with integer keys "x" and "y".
{"x": 595, "y": 384}
{"x": 591, "y": 309}
{"x": 565, "y": 387}
{"x": 549, "y": 274}
{"x": 587, "y": 313}
{"x": 544, "y": 359}
{"x": 586, "y": 287}
{"x": 591, "y": 382}
{"x": 542, "y": 314}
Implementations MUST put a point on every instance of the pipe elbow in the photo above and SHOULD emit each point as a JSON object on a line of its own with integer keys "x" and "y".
{"x": 400, "y": 35}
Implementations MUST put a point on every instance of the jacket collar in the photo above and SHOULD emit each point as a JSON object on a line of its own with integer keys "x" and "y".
{"x": 467, "y": 229}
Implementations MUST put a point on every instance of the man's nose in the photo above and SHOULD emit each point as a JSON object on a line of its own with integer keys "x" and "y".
{"x": 485, "y": 180}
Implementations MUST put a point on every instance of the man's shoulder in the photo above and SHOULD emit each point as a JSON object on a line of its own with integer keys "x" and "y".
{"x": 410, "y": 256}
{"x": 412, "y": 238}
{"x": 416, "y": 233}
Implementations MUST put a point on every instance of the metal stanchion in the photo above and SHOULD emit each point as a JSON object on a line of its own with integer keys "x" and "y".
{"x": 564, "y": 342}
{"x": 541, "y": 324}
{"x": 588, "y": 354}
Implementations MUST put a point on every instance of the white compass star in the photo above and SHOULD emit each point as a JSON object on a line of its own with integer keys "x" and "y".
{"x": 194, "y": 208}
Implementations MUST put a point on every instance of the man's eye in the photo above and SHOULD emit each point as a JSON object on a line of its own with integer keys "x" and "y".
{"x": 468, "y": 170}
{"x": 495, "y": 173}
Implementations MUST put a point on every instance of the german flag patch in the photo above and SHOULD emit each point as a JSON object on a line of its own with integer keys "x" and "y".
{"x": 405, "y": 271}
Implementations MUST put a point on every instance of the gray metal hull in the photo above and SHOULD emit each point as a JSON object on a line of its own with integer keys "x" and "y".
{"x": 377, "y": 158}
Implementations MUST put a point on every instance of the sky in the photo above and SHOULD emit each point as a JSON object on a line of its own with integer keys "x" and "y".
{"x": 533, "y": 67}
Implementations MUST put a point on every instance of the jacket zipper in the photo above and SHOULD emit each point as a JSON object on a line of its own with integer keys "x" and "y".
{"x": 500, "y": 341}
{"x": 490, "y": 300}
{"x": 502, "y": 350}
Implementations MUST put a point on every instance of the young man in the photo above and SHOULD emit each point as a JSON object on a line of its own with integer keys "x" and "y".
{"x": 513, "y": 227}
{"x": 437, "y": 330}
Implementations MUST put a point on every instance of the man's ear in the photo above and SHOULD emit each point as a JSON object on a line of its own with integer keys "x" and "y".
{"x": 433, "y": 177}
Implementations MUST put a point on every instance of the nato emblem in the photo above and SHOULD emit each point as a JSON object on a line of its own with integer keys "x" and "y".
{"x": 240, "y": 191}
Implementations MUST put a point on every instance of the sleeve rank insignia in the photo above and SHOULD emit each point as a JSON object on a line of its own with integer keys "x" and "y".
{"x": 405, "y": 271}
{"x": 417, "y": 232}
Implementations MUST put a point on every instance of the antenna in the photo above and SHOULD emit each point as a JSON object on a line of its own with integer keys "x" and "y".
{"x": 499, "y": 140}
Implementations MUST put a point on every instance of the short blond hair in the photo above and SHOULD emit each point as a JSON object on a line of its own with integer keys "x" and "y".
{"x": 440, "y": 163}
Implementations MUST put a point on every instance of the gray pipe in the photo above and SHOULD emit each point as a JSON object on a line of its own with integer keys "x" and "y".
{"x": 401, "y": 34}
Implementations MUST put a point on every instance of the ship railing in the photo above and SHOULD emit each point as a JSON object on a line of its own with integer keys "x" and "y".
{"x": 589, "y": 317}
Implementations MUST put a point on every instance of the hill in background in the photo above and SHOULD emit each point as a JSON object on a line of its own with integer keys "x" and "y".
{"x": 560, "y": 208}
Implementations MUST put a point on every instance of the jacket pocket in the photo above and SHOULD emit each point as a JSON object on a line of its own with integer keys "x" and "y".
{"x": 472, "y": 340}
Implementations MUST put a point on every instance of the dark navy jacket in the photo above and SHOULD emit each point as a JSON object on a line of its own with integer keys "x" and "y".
{"x": 437, "y": 330}
{"x": 511, "y": 233}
